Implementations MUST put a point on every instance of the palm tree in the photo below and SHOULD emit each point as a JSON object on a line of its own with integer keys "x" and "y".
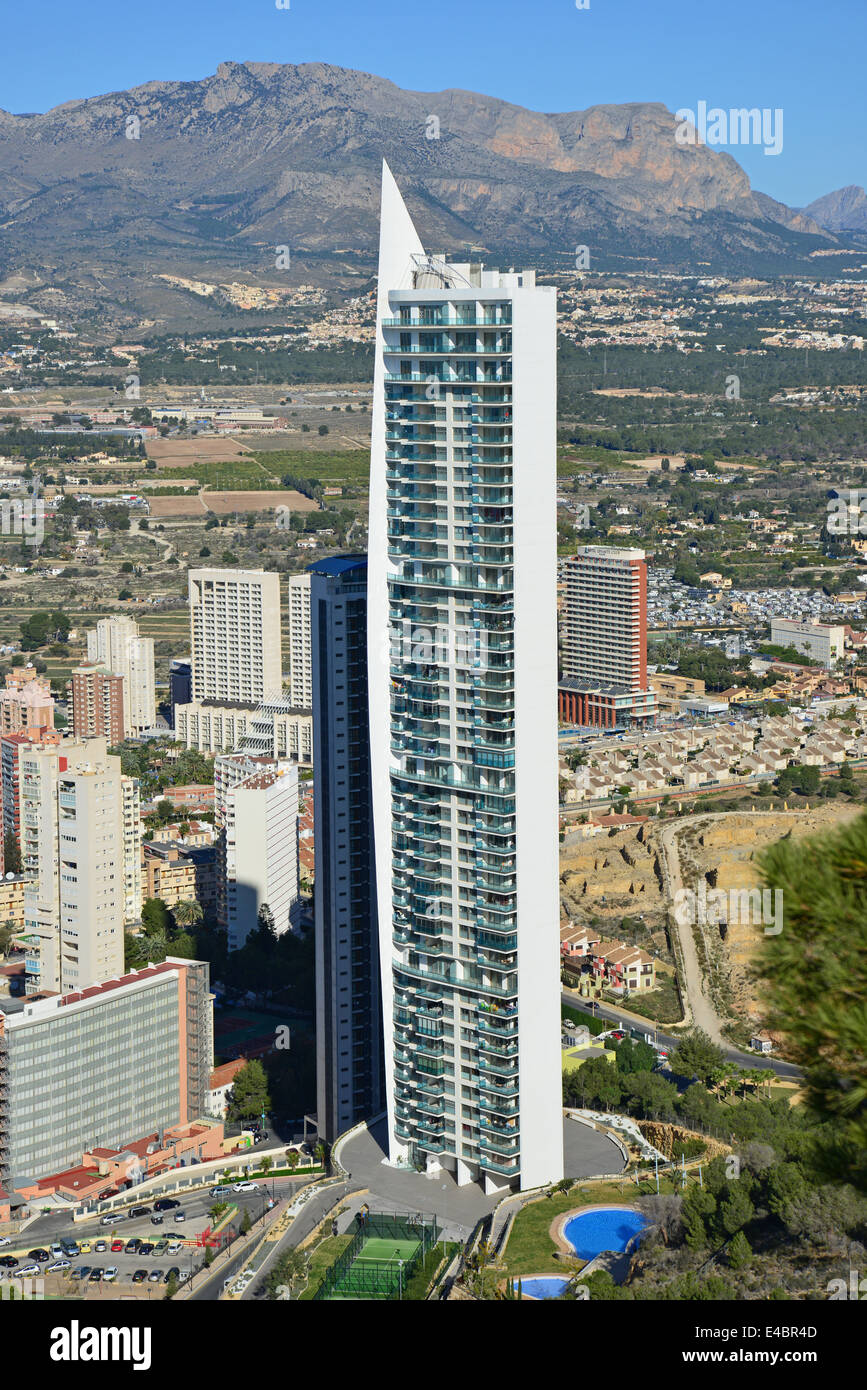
{"x": 188, "y": 913}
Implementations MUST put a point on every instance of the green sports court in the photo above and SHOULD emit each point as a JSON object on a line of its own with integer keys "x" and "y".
{"x": 383, "y": 1256}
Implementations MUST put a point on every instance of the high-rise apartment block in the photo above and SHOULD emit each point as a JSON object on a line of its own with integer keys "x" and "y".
{"x": 180, "y": 683}
{"x": 98, "y": 704}
{"x": 80, "y": 847}
{"x": 101, "y": 1068}
{"x": 300, "y": 660}
{"x": 10, "y": 795}
{"x": 256, "y": 816}
{"x": 115, "y": 645}
{"x": 236, "y": 640}
{"x": 462, "y": 657}
{"x": 349, "y": 1057}
{"x": 26, "y": 703}
{"x": 604, "y": 646}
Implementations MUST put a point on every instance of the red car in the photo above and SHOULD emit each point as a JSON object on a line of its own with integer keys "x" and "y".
{"x": 116, "y": 1247}
{"x": 618, "y": 1034}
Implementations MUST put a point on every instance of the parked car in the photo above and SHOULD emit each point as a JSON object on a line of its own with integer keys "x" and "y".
{"x": 101, "y": 1246}
{"x": 139, "y": 1276}
{"x": 58, "y": 1266}
{"x": 174, "y": 1247}
{"x": 29, "y": 1271}
{"x": 155, "y": 1276}
{"x": 110, "y": 1274}
{"x": 117, "y": 1247}
{"x": 70, "y": 1248}
{"x": 95, "y": 1276}
{"x": 8, "y": 1262}
{"x": 132, "y": 1246}
{"x": 38, "y": 1254}
{"x": 85, "y": 1248}
{"x": 146, "y": 1248}
{"x": 77, "y": 1273}
{"x": 170, "y": 1274}
{"x": 161, "y": 1247}
{"x": 55, "y": 1250}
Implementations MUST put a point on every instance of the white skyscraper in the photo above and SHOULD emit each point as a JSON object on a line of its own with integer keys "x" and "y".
{"x": 79, "y": 839}
{"x": 462, "y": 656}
{"x": 300, "y": 661}
{"x": 236, "y": 643}
{"x": 256, "y": 816}
{"x": 115, "y": 643}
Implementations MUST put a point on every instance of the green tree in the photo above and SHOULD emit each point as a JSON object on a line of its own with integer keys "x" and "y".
{"x": 736, "y": 1210}
{"x": 699, "y": 1206}
{"x": 696, "y": 1055}
{"x": 188, "y": 913}
{"x": 249, "y": 1098}
{"x": 815, "y": 970}
{"x": 11, "y": 853}
{"x": 156, "y": 919}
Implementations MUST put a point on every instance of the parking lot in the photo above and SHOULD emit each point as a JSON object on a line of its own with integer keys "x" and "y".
{"x": 130, "y": 1251}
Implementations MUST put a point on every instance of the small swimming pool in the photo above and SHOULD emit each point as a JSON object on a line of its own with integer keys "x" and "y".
{"x": 542, "y": 1286}
{"x": 606, "y": 1228}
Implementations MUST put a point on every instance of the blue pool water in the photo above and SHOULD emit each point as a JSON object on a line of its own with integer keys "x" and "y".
{"x": 612, "y": 1228}
{"x": 542, "y": 1288}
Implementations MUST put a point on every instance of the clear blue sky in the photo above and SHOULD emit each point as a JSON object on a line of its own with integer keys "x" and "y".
{"x": 806, "y": 56}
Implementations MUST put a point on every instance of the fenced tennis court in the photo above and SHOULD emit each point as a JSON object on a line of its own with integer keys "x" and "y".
{"x": 384, "y": 1254}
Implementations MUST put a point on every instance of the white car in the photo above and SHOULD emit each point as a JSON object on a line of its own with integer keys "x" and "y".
{"x": 26, "y": 1272}
{"x": 110, "y": 1274}
{"x": 245, "y": 1187}
{"x": 58, "y": 1266}
{"x": 5, "y": 1240}
{"x": 174, "y": 1247}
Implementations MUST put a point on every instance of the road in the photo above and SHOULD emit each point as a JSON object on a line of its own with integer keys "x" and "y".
{"x": 701, "y": 1007}
{"x": 624, "y": 1019}
{"x": 303, "y": 1224}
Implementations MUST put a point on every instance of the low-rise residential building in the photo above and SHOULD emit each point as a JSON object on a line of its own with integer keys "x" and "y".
{"x": 222, "y": 1081}
{"x": 179, "y": 873}
{"x": 276, "y": 729}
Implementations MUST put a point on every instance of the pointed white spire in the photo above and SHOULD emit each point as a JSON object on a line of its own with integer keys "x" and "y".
{"x": 398, "y": 238}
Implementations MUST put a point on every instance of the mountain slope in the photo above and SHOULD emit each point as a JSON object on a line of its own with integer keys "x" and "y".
{"x": 262, "y": 154}
{"x": 844, "y": 210}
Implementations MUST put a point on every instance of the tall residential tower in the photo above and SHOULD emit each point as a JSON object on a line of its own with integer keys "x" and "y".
{"x": 349, "y": 1060}
{"x": 462, "y": 657}
{"x": 235, "y": 631}
{"x": 604, "y": 654}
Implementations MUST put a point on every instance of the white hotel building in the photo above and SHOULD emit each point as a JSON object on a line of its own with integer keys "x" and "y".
{"x": 462, "y": 657}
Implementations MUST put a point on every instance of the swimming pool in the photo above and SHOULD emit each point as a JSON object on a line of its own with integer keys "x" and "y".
{"x": 605, "y": 1228}
{"x": 542, "y": 1286}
